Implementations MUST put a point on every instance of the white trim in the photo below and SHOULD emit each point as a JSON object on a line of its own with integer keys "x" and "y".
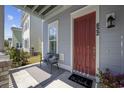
{"x": 42, "y": 44}
{"x": 66, "y": 67}
{"x": 22, "y": 67}
{"x": 81, "y": 12}
{"x": 44, "y": 9}
{"x": 50, "y": 24}
{"x": 29, "y": 20}
{"x": 34, "y": 8}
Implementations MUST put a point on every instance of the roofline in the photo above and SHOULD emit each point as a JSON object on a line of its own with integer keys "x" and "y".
{"x": 16, "y": 28}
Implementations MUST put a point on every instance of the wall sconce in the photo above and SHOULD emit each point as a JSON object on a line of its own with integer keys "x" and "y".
{"x": 97, "y": 29}
{"x": 110, "y": 20}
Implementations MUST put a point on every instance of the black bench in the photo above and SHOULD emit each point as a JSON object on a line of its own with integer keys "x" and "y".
{"x": 51, "y": 58}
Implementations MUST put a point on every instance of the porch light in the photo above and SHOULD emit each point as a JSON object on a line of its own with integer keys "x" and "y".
{"x": 110, "y": 21}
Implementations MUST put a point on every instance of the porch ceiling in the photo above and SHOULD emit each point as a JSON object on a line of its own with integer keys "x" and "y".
{"x": 43, "y": 11}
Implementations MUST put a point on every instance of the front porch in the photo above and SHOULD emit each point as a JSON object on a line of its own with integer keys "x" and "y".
{"x": 34, "y": 76}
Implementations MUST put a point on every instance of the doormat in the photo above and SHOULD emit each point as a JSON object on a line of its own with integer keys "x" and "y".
{"x": 81, "y": 80}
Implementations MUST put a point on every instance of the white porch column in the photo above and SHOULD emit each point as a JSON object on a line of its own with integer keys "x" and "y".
{"x": 1, "y": 27}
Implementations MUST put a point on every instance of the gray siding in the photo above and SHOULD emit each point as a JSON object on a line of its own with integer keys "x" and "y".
{"x": 64, "y": 39}
{"x": 110, "y": 40}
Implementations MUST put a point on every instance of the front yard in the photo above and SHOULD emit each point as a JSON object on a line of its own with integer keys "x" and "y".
{"x": 30, "y": 60}
{"x": 21, "y": 58}
{"x": 34, "y": 59}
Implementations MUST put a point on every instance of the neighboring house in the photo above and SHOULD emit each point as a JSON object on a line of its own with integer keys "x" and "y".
{"x": 10, "y": 42}
{"x": 31, "y": 35}
{"x": 82, "y": 37}
{"x": 16, "y": 37}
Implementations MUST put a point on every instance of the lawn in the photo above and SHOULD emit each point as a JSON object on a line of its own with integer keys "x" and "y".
{"x": 34, "y": 59}
{"x": 31, "y": 60}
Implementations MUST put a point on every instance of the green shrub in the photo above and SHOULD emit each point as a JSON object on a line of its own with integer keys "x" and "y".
{"x": 18, "y": 57}
{"x": 24, "y": 57}
{"x": 108, "y": 80}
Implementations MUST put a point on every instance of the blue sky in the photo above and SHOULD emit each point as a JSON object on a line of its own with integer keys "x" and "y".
{"x": 12, "y": 19}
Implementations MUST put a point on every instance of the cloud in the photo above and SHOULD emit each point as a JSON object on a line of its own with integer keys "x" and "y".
{"x": 19, "y": 10}
{"x": 10, "y": 17}
{"x": 14, "y": 25}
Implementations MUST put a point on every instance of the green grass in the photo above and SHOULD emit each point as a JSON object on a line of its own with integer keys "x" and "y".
{"x": 34, "y": 59}
{"x": 31, "y": 60}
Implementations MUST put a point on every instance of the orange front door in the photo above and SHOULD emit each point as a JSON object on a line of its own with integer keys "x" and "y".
{"x": 85, "y": 44}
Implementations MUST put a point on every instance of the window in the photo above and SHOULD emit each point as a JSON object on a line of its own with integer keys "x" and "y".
{"x": 53, "y": 32}
{"x": 17, "y": 45}
{"x": 26, "y": 25}
{"x": 20, "y": 45}
{"x": 26, "y": 43}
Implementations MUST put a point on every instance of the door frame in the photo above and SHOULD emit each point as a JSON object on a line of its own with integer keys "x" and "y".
{"x": 79, "y": 13}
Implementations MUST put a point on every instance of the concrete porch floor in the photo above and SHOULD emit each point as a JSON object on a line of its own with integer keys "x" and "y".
{"x": 34, "y": 76}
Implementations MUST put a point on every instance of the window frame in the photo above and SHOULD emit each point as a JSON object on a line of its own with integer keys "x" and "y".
{"x": 56, "y": 24}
